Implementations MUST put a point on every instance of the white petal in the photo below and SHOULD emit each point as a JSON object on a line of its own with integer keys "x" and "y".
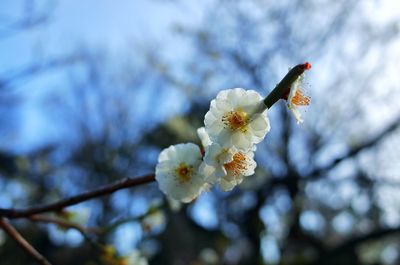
{"x": 189, "y": 153}
{"x": 296, "y": 113}
{"x": 236, "y": 96}
{"x": 242, "y": 141}
{"x": 251, "y": 166}
{"x": 210, "y": 173}
{"x": 223, "y": 94}
{"x": 204, "y": 138}
{"x": 226, "y": 185}
{"x": 226, "y": 155}
{"x": 260, "y": 127}
{"x": 260, "y": 123}
{"x": 223, "y": 105}
{"x": 253, "y": 97}
{"x": 224, "y": 137}
{"x": 167, "y": 154}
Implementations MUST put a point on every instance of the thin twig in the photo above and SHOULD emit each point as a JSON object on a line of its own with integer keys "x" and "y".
{"x": 319, "y": 172}
{"x": 36, "y": 69}
{"x": 61, "y": 223}
{"x": 14, "y": 234}
{"x": 354, "y": 241}
{"x": 69, "y": 225}
{"x": 59, "y": 205}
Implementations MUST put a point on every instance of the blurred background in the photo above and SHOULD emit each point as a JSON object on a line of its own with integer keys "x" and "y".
{"x": 91, "y": 91}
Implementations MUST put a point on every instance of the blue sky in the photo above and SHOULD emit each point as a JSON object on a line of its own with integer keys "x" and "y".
{"x": 94, "y": 24}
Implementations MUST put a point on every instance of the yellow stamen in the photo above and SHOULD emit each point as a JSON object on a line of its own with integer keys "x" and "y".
{"x": 183, "y": 173}
{"x": 238, "y": 164}
{"x": 299, "y": 99}
{"x": 236, "y": 120}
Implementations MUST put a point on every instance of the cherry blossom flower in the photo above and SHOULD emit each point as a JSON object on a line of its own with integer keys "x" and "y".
{"x": 177, "y": 172}
{"x": 227, "y": 166}
{"x": 237, "y": 117}
{"x": 296, "y": 97}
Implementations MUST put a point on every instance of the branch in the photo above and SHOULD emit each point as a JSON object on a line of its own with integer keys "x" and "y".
{"x": 354, "y": 242}
{"x": 317, "y": 173}
{"x": 57, "y": 206}
{"x": 374, "y": 235}
{"x": 61, "y": 223}
{"x": 36, "y": 69}
{"x": 14, "y": 234}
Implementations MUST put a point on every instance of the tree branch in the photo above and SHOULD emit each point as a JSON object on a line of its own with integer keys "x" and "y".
{"x": 14, "y": 234}
{"x": 36, "y": 69}
{"x": 317, "y": 173}
{"x": 61, "y": 223}
{"x": 57, "y": 206}
{"x": 374, "y": 235}
{"x": 351, "y": 244}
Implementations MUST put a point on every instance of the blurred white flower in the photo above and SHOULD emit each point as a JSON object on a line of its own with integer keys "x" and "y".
{"x": 237, "y": 118}
{"x": 177, "y": 172}
{"x": 227, "y": 166}
{"x": 209, "y": 256}
{"x": 297, "y": 98}
{"x": 80, "y": 215}
{"x": 153, "y": 220}
{"x": 136, "y": 258}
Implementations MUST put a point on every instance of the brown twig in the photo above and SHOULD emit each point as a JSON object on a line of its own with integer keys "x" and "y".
{"x": 61, "y": 223}
{"x": 59, "y": 205}
{"x": 353, "y": 242}
{"x": 14, "y": 234}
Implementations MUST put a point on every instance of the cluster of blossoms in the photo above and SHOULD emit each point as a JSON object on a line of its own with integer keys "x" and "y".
{"x": 236, "y": 122}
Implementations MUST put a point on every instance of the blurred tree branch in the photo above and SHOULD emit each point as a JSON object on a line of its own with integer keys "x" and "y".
{"x": 57, "y": 206}
{"x": 36, "y": 69}
{"x": 62, "y": 223}
{"x": 319, "y": 172}
{"x": 349, "y": 247}
{"x": 28, "y": 248}
{"x": 31, "y": 18}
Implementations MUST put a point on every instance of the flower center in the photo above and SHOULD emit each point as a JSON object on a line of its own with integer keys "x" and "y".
{"x": 299, "y": 99}
{"x": 183, "y": 173}
{"x": 238, "y": 164}
{"x": 236, "y": 120}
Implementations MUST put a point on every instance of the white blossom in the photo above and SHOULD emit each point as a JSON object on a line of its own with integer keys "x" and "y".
{"x": 238, "y": 118}
{"x": 227, "y": 166}
{"x": 209, "y": 256}
{"x": 297, "y": 98}
{"x": 153, "y": 220}
{"x": 136, "y": 258}
{"x": 177, "y": 172}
